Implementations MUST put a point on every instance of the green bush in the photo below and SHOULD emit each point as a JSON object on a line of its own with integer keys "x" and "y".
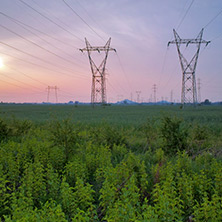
{"x": 108, "y": 135}
{"x": 65, "y": 135}
{"x": 200, "y": 136}
{"x": 174, "y": 134}
{"x": 150, "y": 131}
{"x": 4, "y": 130}
{"x": 21, "y": 127}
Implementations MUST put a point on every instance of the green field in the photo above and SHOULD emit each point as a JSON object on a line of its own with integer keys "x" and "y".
{"x": 113, "y": 163}
{"x": 118, "y": 115}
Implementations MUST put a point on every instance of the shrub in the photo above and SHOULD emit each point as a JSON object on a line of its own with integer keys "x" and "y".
{"x": 21, "y": 127}
{"x": 65, "y": 135}
{"x": 174, "y": 135}
{"x": 200, "y": 137}
{"x": 4, "y": 130}
{"x": 118, "y": 153}
{"x": 108, "y": 135}
{"x": 150, "y": 131}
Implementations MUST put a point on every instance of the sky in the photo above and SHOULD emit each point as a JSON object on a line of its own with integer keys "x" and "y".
{"x": 40, "y": 42}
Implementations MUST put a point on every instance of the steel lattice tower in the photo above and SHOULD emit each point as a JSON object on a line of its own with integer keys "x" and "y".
{"x": 189, "y": 91}
{"x": 138, "y": 96}
{"x": 154, "y": 92}
{"x": 52, "y": 88}
{"x": 98, "y": 93}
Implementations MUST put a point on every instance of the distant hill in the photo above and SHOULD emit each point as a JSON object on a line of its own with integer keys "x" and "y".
{"x": 163, "y": 102}
{"x": 127, "y": 102}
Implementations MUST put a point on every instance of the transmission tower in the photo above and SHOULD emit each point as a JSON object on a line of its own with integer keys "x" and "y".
{"x": 189, "y": 92}
{"x": 49, "y": 88}
{"x": 138, "y": 96}
{"x": 171, "y": 96}
{"x": 98, "y": 92}
{"x": 131, "y": 96}
{"x": 154, "y": 92}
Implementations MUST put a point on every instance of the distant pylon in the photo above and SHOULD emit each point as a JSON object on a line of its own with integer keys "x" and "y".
{"x": 189, "y": 92}
{"x": 171, "y": 96}
{"x": 98, "y": 92}
{"x": 138, "y": 96}
{"x": 49, "y": 88}
{"x": 154, "y": 92}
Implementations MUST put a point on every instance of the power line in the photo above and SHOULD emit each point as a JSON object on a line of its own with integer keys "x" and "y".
{"x": 183, "y": 8}
{"x": 123, "y": 71}
{"x": 44, "y": 16}
{"x": 83, "y": 20}
{"x": 217, "y": 37}
{"x": 37, "y": 45}
{"x": 119, "y": 85}
{"x": 108, "y": 81}
{"x": 163, "y": 66}
{"x": 66, "y": 93}
{"x": 57, "y": 20}
{"x": 213, "y": 18}
{"x": 27, "y": 29}
{"x": 37, "y": 30}
{"x": 17, "y": 80}
{"x": 65, "y": 96}
{"x": 185, "y": 15}
{"x": 38, "y": 65}
{"x": 90, "y": 16}
{"x": 16, "y": 70}
{"x": 11, "y": 83}
{"x": 48, "y": 62}
{"x": 69, "y": 95}
{"x": 50, "y": 14}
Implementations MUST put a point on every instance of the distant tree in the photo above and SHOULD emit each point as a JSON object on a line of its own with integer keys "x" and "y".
{"x": 206, "y": 102}
{"x": 76, "y": 103}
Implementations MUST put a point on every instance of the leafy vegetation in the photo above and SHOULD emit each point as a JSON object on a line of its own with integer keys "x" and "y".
{"x": 156, "y": 167}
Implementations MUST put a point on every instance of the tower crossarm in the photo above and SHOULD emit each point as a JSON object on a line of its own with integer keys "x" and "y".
{"x": 188, "y": 41}
{"x": 198, "y": 40}
{"x": 98, "y": 49}
{"x": 105, "y": 48}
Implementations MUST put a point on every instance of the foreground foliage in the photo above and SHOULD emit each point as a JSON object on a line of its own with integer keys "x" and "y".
{"x": 163, "y": 170}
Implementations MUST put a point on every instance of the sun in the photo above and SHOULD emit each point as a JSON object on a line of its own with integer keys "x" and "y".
{"x": 1, "y": 63}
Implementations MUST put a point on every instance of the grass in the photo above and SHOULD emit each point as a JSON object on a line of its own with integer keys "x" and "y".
{"x": 115, "y": 115}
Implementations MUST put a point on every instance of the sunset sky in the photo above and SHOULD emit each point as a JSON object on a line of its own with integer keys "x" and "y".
{"x": 40, "y": 42}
